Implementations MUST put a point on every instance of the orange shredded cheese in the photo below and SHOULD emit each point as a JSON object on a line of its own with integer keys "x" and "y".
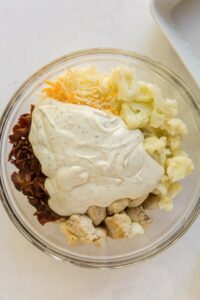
{"x": 85, "y": 86}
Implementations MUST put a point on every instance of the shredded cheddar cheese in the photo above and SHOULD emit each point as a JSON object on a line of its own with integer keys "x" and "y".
{"x": 85, "y": 86}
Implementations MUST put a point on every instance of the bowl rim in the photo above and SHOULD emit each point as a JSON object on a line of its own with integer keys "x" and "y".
{"x": 169, "y": 240}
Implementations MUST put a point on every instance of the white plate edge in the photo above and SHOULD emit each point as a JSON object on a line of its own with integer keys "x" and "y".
{"x": 190, "y": 66}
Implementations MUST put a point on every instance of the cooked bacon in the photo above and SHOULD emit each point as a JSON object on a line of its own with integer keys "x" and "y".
{"x": 29, "y": 178}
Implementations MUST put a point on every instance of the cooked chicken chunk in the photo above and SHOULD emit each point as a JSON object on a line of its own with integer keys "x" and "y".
{"x": 72, "y": 239}
{"x": 137, "y": 202}
{"x": 120, "y": 226}
{"x": 151, "y": 202}
{"x": 137, "y": 214}
{"x": 97, "y": 214}
{"x": 79, "y": 229}
{"x": 117, "y": 206}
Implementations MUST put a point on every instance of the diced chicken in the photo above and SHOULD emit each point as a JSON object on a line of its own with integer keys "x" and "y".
{"x": 97, "y": 214}
{"x": 137, "y": 202}
{"x": 120, "y": 226}
{"x": 138, "y": 215}
{"x": 117, "y": 206}
{"x": 79, "y": 229}
{"x": 72, "y": 239}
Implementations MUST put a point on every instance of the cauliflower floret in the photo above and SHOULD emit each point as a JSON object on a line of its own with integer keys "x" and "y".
{"x": 79, "y": 229}
{"x": 166, "y": 203}
{"x": 178, "y": 167}
{"x": 124, "y": 81}
{"x": 154, "y": 144}
{"x": 135, "y": 115}
{"x": 171, "y": 108}
{"x": 144, "y": 92}
{"x": 174, "y": 189}
{"x": 145, "y": 102}
{"x": 164, "y": 109}
{"x": 157, "y": 119}
{"x": 161, "y": 188}
{"x": 166, "y": 106}
{"x": 174, "y": 142}
{"x": 149, "y": 93}
{"x": 179, "y": 152}
{"x": 156, "y": 147}
{"x": 166, "y": 200}
{"x": 117, "y": 206}
{"x": 164, "y": 178}
{"x": 175, "y": 127}
{"x": 149, "y": 131}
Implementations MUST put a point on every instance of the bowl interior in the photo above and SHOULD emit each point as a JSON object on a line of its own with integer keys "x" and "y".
{"x": 166, "y": 227}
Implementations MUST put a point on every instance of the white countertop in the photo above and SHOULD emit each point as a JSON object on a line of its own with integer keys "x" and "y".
{"x": 32, "y": 33}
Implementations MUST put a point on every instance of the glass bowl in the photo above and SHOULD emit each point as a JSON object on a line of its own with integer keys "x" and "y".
{"x": 166, "y": 228}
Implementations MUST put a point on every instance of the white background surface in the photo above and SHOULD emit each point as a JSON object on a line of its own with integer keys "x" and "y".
{"x": 32, "y": 33}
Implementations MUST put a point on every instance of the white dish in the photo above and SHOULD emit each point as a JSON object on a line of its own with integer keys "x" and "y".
{"x": 180, "y": 21}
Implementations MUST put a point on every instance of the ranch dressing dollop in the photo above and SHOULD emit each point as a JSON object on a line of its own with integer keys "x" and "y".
{"x": 89, "y": 157}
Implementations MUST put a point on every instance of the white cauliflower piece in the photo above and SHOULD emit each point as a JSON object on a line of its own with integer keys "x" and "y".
{"x": 166, "y": 201}
{"x": 125, "y": 83}
{"x": 142, "y": 102}
{"x": 157, "y": 119}
{"x": 166, "y": 106}
{"x": 156, "y": 147}
{"x": 174, "y": 189}
{"x": 171, "y": 108}
{"x": 164, "y": 178}
{"x": 164, "y": 109}
{"x": 178, "y": 167}
{"x": 144, "y": 92}
{"x": 135, "y": 115}
{"x": 161, "y": 188}
{"x": 154, "y": 144}
{"x": 149, "y": 93}
{"x": 79, "y": 229}
{"x": 149, "y": 131}
{"x": 179, "y": 152}
{"x": 175, "y": 127}
{"x": 174, "y": 142}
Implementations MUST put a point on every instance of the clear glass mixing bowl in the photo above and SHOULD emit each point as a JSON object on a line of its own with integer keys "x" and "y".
{"x": 166, "y": 228}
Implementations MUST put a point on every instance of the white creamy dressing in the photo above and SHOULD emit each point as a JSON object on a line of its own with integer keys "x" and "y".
{"x": 89, "y": 157}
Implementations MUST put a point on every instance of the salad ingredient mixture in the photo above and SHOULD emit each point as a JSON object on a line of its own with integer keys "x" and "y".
{"x": 97, "y": 151}
{"x": 94, "y": 161}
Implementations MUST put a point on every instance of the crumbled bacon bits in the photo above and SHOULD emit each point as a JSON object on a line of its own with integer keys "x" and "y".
{"x": 29, "y": 178}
